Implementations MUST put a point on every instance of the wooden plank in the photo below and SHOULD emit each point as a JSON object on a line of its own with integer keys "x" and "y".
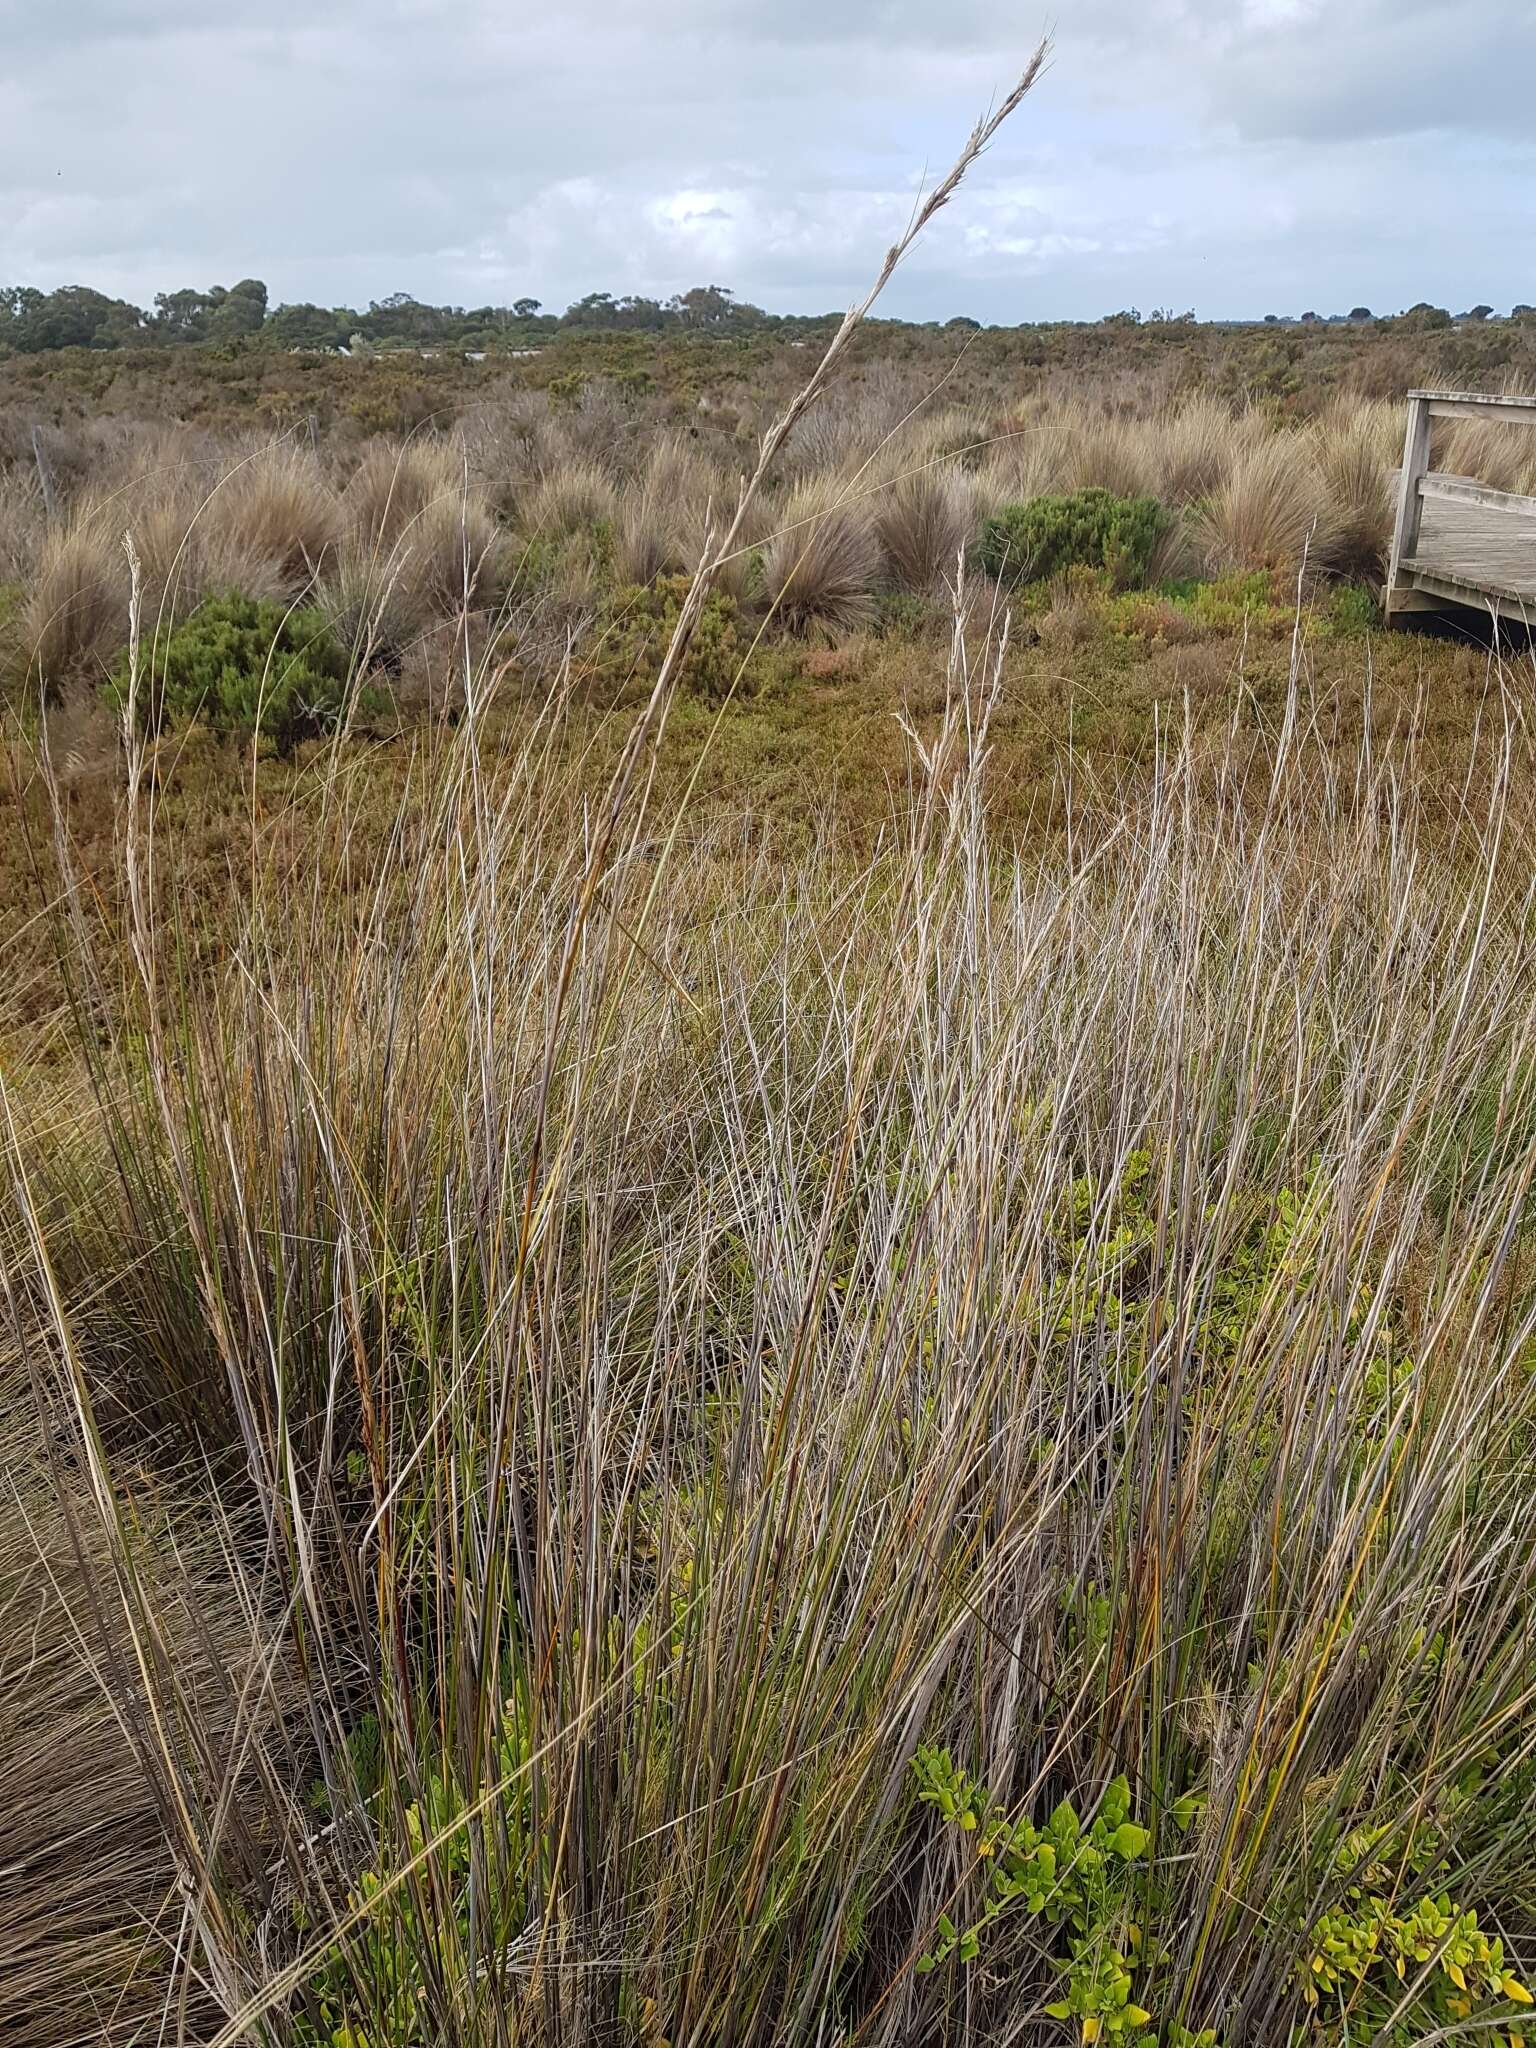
{"x": 1521, "y": 415}
{"x": 1415, "y": 462}
{"x": 1427, "y": 578}
{"x": 1464, "y": 490}
{"x": 1512, "y": 401}
{"x": 1404, "y": 598}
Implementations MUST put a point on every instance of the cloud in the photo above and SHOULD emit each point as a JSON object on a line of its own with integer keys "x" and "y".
{"x": 1236, "y": 155}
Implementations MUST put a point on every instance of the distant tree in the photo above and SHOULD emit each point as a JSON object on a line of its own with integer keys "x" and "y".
{"x": 1313, "y": 319}
{"x": 1521, "y": 312}
{"x": 597, "y": 309}
{"x": 1271, "y": 319}
{"x": 1424, "y": 318}
{"x": 307, "y": 326}
{"x": 525, "y": 309}
{"x": 705, "y": 305}
{"x": 400, "y": 318}
{"x": 1360, "y": 313}
{"x": 964, "y": 320}
{"x": 1130, "y": 317}
{"x": 239, "y": 311}
{"x": 1478, "y": 312}
{"x": 74, "y": 316}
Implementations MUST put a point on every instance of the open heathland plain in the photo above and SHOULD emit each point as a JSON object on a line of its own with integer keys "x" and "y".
{"x": 797, "y": 1315}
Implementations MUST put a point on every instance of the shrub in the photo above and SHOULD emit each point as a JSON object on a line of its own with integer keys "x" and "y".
{"x": 639, "y": 622}
{"x": 244, "y": 665}
{"x": 1091, "y": 529}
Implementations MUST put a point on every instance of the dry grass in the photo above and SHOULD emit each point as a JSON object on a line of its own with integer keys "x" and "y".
{"x": 923, "y": 522}
{"x": 393, "y": 485}
{"x": 72, "y": 617}
{"x": 90, "y": 1915}
{"x": 1193, "y": 445}
{"x": 1488, "y": 451}
{"x": 22, "y": 523}
{"x": 278, "y": 505}
{"x": 1356, "y": 462}
{"x": 822, "y": 564}
{"x": 1071, "y": 1313}
{"x": 1272, "y": 510}
{"x": 572, "y": 499}
{"x": 661, "y": 512}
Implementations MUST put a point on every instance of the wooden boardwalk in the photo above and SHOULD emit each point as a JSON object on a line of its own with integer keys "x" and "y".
{"x": 1456, "y": 541}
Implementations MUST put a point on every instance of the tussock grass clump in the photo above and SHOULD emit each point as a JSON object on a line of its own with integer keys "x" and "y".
{"x": 924, "y": 522}
{"x": 1192, "y": 446}
{"x": 393, "y": 486}
{"x": 1272, "y": 509}
{"x": 72, "y": 618}
{"x": 1356, "y": 463}
{"x": 658, "y": 512}
{"x": 279, "y": 505}
{"x": 23, "y": 522}
{"x": 822, "y": 565}
{"x": 1487, "y": 451}
{"x": 851, "y": 1337}
{"x": 573, "y": 498}
{"x": 90, "y": 1918}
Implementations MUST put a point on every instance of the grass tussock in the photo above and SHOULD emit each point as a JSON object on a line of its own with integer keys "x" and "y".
{"x": 822, "y": 565}
{"x": 279, "y": 505}
{"x": 71, "y": 618}
{"x": 574, "y": 498}
{"x": 1272, "y": 510}
{"x": 1357, "y": 462}
{"x": 90, "y": 1918}
{"x": 835, "y": 1329}
{"x": 924, "y": 522}
{"x": 393, "y": 486}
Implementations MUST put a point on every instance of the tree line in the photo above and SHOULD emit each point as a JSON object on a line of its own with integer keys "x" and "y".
{"x": 240, "y": 314}
{"x": 75, "y": 316}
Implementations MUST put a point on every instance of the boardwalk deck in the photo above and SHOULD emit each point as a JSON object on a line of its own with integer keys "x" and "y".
{"x": 1456, "y": 541}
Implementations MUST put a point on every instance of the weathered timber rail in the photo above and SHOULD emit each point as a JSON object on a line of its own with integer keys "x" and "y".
{"x": 1456, "y": 541}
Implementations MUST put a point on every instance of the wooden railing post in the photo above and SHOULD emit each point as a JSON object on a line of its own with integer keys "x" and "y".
{"x": 1415, "y": 462}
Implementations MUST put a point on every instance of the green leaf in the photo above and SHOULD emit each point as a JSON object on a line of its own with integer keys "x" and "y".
{"x": 1130, "y": 1840}
{"x": 1059, "y": 2011}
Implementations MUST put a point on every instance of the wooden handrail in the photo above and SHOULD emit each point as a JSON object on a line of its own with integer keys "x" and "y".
{"x": 1512, "y": 401}
{"x": 1466, "y": 490}
{"x": 1410, "y": 581}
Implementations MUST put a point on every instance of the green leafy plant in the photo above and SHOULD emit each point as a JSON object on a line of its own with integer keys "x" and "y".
{"x": 639, "y": 624}
{"x": 1093, "y": 529}
{"x": 243, "y": 665}
{"x": 1089, "y": 1880}
{"x": 1379, "y": 1972}
{"x": 406, "y": 1926}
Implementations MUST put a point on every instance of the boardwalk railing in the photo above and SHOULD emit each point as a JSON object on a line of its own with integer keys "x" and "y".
{"x": 1476, "y": 545}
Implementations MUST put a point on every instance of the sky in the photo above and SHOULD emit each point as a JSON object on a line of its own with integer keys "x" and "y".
{"x": 1235, "y": 157}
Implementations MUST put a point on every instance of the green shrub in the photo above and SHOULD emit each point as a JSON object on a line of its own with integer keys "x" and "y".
{"x": 638, "y": 626}
{"x": 1352, "y": 610}
{"x": 1092, "y": 528}
{"x": 240, "y": 663}
{"x": 1088, "y": 1880}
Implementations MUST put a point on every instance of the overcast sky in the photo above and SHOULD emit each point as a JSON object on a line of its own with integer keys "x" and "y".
{"x": 1237, "y": 156}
